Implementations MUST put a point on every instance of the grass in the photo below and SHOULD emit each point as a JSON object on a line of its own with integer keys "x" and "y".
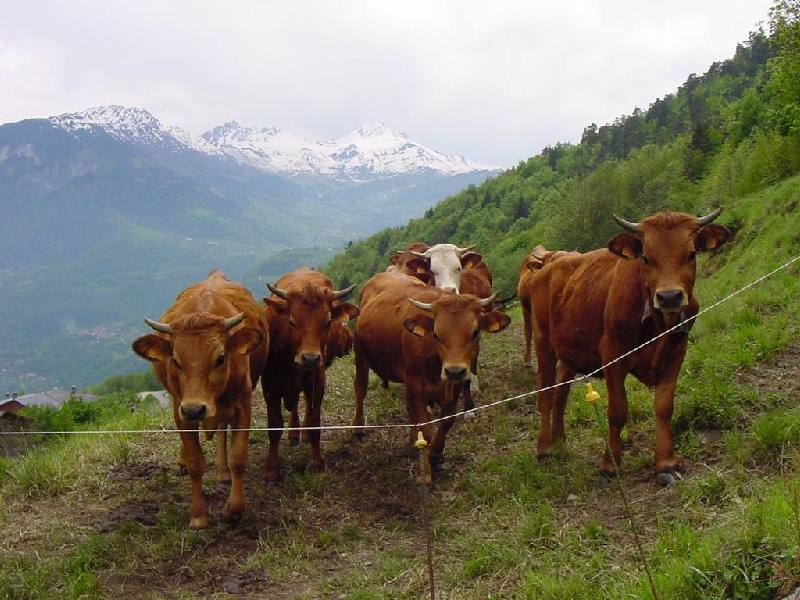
{"x": 88, "y": 517}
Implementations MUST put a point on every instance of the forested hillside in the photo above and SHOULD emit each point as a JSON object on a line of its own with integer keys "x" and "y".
{"x": 722, "y": 135}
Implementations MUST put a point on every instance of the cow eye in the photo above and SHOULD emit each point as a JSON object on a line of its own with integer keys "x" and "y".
{"x": 328, "y": 323}
{"x": 220, "y": 360}
{"x": 475, "y": 334}
{"x": 176, "y": 363}
{"x": 292, "y": 323}
{"x": 646, "y": 260}
{"x": 436, "y": 337}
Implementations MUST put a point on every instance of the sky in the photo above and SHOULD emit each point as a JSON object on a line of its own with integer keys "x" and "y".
{"x": 494, "y": 81}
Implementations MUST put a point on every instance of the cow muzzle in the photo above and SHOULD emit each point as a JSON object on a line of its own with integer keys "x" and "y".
{"x": 309, "y": 360}
{"x": 455, "y": 373}
{"x": 192, "y": 411}
{"x": 670, "y": 300}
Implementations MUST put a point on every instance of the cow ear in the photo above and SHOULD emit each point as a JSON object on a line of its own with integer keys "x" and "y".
{"x": 153, "y": 347}
{"x": 494, "y": 321}
{"x": 418, "y": 266}
{"x": 471, "y": 259}
{"x": 278, "y": 305}
{"x": 344, "y": 312}
{"x": 395, "y": 260}
{"x": 419, "y": 324}
{"x": 711, "y": 237}
{"x": 625, "y": 245}
{"x": 244, "y": 341}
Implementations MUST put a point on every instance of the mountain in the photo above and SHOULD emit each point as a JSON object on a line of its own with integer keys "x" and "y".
{"x": 373, "y": 151}
{"x": 108, "y": 213}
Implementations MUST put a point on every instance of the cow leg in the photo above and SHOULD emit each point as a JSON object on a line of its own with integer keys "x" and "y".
{"x": 418, "y": 413}
{"x": 546, "y": 359}
{"x": 274, "y": 421}
{"x": 560, "y": 394}
{"x": 666, "y": 464}
{"x": 617, "y": 416}
{"x": 360, "y": 388}
{"x": 527, "y": 327}
{"x": 192, "y": 457}
{"x": 238, "y": 461}
{"x": 314, "y": 392}
{"x": 223, "y": 472}
{"x": 437, "y": 447}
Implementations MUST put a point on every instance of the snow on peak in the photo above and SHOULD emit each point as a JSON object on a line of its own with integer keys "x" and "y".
{"x": 130, "y": 124}
{"x": 371, "y": 151}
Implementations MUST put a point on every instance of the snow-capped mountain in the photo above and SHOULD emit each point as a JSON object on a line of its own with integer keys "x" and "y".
{"x": 374, "y": 151}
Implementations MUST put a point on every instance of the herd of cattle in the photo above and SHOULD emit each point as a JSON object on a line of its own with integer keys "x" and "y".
{"x": 419, "y": 324}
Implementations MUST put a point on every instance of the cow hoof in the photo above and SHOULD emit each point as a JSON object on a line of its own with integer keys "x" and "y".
{"x": 182, "y": 470}
{"x": 543, "y": 456}
{"x": 232, "y": 515}
{"x": 198, "y": 522}
{"x": 358, "y": 436}
{"x": 666, "y": 479}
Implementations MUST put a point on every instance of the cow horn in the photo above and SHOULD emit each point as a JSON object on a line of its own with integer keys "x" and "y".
{"x": 160, "y": 327}
{"x": 634, "y": 227}
{"x": 419, "y": 254}
{"x": 465, "y": 249}
{"x": 488, "y": 301}
{"x": 421, "y": 305}
{"x": 277, "y": 291}
{"x": 342, "y": 294}
{"x": 231, "y": 322}
{"x": 709, "y": 217}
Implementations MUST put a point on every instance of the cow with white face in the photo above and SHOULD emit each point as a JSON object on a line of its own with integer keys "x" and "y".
{"x": 444, "y": 262}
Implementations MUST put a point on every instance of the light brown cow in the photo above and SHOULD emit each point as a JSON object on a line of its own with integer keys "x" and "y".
{"x": 592, "y": 308}
{"x": 412, "y": 261}
{"x": 532, "y": 262}
{"x": 307, "y": 320}
{"x": 425, "y": 338}
{"x": 210, "y": 348}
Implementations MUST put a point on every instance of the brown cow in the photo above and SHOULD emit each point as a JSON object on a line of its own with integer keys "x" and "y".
{"x": 307, "y": 320}
{"x": 210, "y": 348}
{"x": 425, "y": 338}
{"x": 532, "y": 262}
{"x": 591, "y": 308}
{"x": 409, "y": 262}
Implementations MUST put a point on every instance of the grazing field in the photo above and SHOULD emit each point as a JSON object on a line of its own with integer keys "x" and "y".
{"x": 92, "y": 517}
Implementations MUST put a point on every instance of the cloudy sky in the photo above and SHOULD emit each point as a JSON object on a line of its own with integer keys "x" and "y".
{"x": 495, "y": 81}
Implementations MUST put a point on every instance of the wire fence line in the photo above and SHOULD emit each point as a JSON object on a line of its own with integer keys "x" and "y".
{"x": 434, "y": 421}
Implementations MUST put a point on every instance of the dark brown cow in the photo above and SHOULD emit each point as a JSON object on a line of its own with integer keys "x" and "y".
{"x": 592, "y": 308}
{"x": 532, "y": 262}
{"x": 425, "y": 338}
{"x": 307, "y": 320}
{"x": 209, "y": 350}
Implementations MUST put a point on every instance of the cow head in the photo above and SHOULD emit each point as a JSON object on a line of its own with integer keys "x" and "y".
{"x": 444, "y": 263}
{"x": 311, "y": 312}
{"x": 412, "y": 261}
{"x": 455, "y": 323}
{"x": 197, "y": 352}
{"x": 667, "y": 243}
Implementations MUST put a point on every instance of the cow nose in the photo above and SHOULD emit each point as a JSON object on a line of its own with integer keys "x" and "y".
{"x": 311, "y": 359}
{"x": 456, "y": 373}
{"x": 449, "y": 288}
{"x": 670, "y": 298}
{"x": 193, "y": 412}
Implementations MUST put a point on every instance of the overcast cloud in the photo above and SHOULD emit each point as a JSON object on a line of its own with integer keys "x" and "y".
{"x": 495, "y": 81}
